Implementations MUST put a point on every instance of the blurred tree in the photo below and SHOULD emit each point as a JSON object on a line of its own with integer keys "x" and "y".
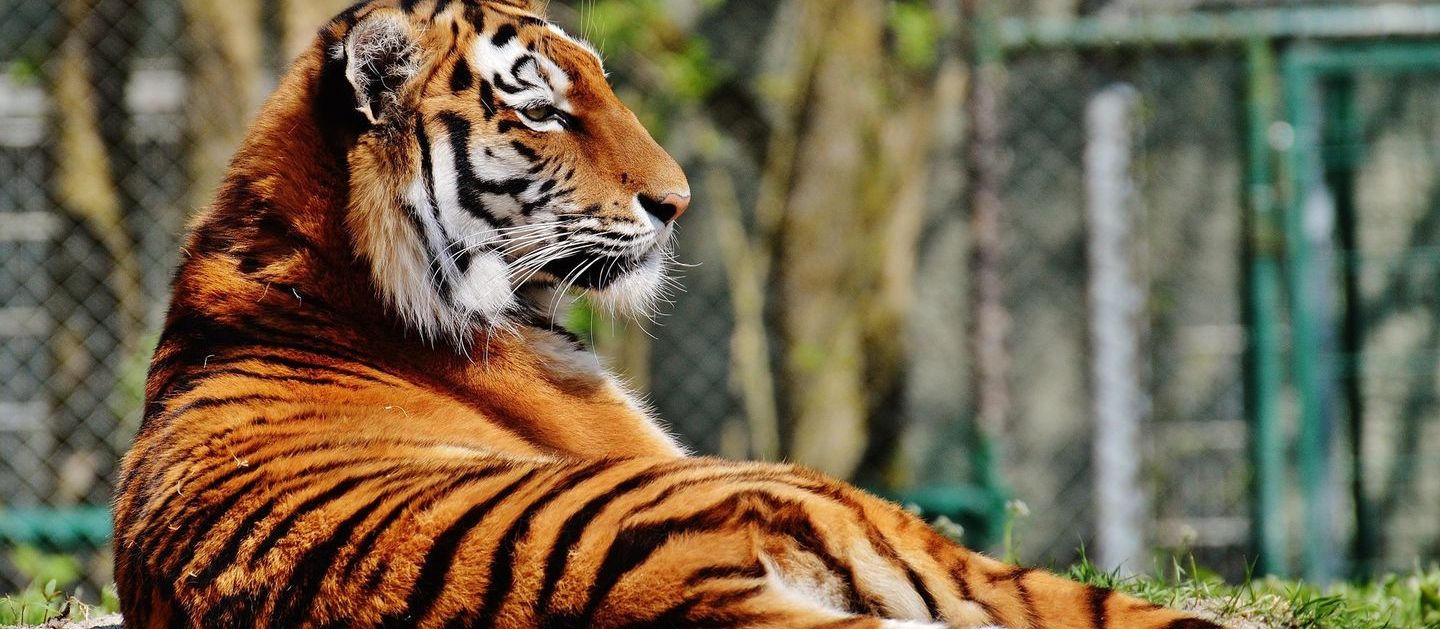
{"x": 853, "y": 200}
{"x": 836, "y": 112}
{"x": 226, "y": 84}
{"x": 89, "y": 150}
{"x": 300, "y": 20}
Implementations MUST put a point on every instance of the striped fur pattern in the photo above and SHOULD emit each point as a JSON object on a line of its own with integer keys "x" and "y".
{"x": 360, "y": 412}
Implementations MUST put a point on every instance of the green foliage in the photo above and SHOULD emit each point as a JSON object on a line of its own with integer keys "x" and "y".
{"x": 582, "y": 320}
{"x": 46, "y": 598}
{"x": 41, "y": 567}
{"x": 1015, "y": 510}
{"x": 917, "y": 33}
{"x": 25, "y": 71}
{"x": 673, "y": 69}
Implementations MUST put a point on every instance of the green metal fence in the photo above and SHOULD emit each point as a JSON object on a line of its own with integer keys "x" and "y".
{"x": 1321, "y": 90}
{"x": 1293, "y": 373}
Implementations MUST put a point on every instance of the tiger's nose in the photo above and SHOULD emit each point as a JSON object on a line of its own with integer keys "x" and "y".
{"x": 667, "y": 208}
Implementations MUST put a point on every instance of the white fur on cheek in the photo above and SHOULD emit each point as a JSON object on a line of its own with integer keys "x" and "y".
{"x": 485, "y": 287}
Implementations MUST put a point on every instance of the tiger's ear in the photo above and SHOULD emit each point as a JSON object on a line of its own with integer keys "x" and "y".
{"x": 381, "y": 56}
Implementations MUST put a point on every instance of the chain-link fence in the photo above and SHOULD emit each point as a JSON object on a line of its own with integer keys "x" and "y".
{"x": 1236, "y": 111}
{"x": 1187, "y": 170}
{"x": 93, "y": 189}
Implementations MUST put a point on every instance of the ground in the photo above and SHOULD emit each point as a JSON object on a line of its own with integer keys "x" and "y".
{"x": 1396, "y": 601}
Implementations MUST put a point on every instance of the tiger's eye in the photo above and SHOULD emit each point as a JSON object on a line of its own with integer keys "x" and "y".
{"x": 539, "y": 113}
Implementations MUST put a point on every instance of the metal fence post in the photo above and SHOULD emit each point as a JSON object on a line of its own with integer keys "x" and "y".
{"x": 1264, "y": 371}
{"x": 1118, "y": 398}
{"x": 1308, "y": 227}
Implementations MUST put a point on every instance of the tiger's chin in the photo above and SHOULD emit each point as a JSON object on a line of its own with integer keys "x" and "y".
{"x": 623, "y": 286}
{"x": 635, "y": 291}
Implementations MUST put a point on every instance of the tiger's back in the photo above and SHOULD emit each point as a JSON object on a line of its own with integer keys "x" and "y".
{"x": 361, "y": 412}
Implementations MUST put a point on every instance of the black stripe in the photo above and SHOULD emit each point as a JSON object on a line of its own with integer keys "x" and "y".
{"x": 469, "y": 186}
{"x": 733, "y": 475}
{"x": 501, "y": 575}
{"x": 158, "y": 516}
{"x": 294, "y": 364}
{"x": 460, "y": 255}
{"x": 838, "y": 495}
{"x": 475, "y": 16}
{"x": 1018, "y": 577}
{"x": 232, "y": 610}
{"x": 415, "y": 503}
{"x": 282, "y": 528}
{"x": 802, "y": 530}
{"x": 526, "y": 152}
{"x": 216, "y": 402}
{"x": 219, "y": 357}
{"x": 487, "y": 98}
{"x": 503, "y": 86}
{"x": 312, "y": 567}
{"x": 515, "y": 70}
{"x": 437, "y": 274}
{"x": 1098, "y": 596}
{"x": 225, "y": 558}
{"x": 721, "y": 608}
{"x": 203, "y": 519}
{"x": 503, "y": 35}
{"x": 461, "y": 78}
{"x": 574, "y": 529}
{"x": 918, "y": 584}
{"x": 317, "y": 562}
{"x": 313, "y": 342}
{"x": 634, "y": 545}
{"x": 745, "y": 571}
{"x": 197, "y": 380}
{"x": 430, "y": 583}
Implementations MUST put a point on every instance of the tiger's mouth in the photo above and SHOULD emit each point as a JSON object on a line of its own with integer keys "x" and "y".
{"x": 593, "y": 271}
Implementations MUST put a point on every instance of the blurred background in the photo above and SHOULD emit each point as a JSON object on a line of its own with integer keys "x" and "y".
{"x": 1132, "y": 276}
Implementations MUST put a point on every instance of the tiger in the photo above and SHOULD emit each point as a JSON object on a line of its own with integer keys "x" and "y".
{"x": 363, "y": 412}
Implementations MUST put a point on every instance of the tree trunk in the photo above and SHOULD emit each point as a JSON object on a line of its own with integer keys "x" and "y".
{"x": 989, "y": 318}
{"x": 847, "y": 236}
{"x": 226, "y": 84}
{"x": 300, "y": 20}
{"x": 101, "y": 304}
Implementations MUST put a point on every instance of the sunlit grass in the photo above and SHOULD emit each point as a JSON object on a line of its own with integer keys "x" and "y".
{"x": 51, "y": 593}
{"x": 1397, "y": 601}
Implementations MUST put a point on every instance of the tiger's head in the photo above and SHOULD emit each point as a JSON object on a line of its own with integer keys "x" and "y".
{"x": 495, "y": 168}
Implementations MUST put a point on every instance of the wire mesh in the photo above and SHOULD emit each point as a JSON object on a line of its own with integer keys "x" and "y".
{"x": 77, "y": 247}
{"x": 1395, "y": 264}
{"x": 1187, "y": 175}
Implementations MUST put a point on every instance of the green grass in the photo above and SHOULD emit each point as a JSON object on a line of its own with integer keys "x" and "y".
{"x": 46, "y": 597}
{"x": 1395, "y": 601}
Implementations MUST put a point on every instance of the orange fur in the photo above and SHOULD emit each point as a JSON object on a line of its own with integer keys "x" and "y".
{"x": 328, "y": 443}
